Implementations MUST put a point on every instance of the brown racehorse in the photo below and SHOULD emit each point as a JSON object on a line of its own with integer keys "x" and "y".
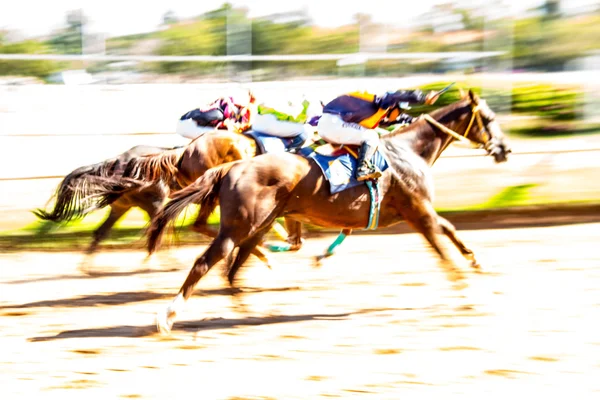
{"x": 72, "y": 199}
{"x": 160, "y": 171}
{"x": 254, "y": 192}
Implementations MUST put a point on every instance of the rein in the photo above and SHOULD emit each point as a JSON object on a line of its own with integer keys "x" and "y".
{"x": 463, "y": 138}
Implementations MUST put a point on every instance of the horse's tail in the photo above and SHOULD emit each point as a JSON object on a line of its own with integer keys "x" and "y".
{"x": 204, "y": 191}
{"x": 73, "y": 194}
{"x": 93, "y": 187}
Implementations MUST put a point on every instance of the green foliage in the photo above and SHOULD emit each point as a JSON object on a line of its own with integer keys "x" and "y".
{"x": 269, "y": 37}
{"x": 548, "y": 102}
{"x": 38, "y": 68}
{"x": 69, "y": 40}
{"x": 205, "y": 36}
{"x": 547, "y": 42}
{"x": 539, "y": 42}
{"x": 124, "y": 43}
{"x": 510, "y": 197}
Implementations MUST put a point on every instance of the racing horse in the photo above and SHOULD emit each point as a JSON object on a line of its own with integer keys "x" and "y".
{"x": 161, "y": 171}
{"x": 72, "y": 199}
{"x": 258, "y": 190}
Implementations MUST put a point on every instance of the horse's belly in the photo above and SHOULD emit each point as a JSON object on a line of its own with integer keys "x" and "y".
{"x": 348, "y": 209}
{"x": 342, "y": 210}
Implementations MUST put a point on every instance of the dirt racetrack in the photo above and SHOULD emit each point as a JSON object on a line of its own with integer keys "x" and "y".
{"x": 379, "y": 321}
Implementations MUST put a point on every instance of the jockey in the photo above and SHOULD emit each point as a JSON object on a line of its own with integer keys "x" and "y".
{"x": 352, "y": 118}
{"x": 223, "y": 113}
{"x": 289, "y": 120}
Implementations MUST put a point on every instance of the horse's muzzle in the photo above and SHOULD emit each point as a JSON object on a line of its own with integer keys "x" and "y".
{"x": 498, "y": 150}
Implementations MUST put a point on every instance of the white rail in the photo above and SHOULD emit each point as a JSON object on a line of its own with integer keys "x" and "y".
{"x": 462, "y": 55}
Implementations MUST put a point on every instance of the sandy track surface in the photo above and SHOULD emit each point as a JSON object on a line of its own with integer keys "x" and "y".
{"x": 378, "y": 321}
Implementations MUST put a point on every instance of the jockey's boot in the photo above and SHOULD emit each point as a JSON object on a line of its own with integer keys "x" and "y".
{"x": 366, "y": 170}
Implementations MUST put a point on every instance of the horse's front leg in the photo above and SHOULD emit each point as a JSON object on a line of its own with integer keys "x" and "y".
{"x": 331, "y": 249}
{"x": 450, "y": 231}
{"x": 294, "y": 229}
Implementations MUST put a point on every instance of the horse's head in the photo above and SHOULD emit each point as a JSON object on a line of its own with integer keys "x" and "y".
{"x": 485, "y": 130}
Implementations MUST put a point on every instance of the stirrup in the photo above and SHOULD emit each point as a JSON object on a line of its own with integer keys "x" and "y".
{"x": 372, "y": 175}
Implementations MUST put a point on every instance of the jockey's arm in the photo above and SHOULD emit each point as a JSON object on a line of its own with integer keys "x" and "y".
{"x": 392, "y": 99}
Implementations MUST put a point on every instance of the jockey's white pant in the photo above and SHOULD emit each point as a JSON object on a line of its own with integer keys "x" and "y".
{"x": 190, "y": 130}
{"x": 270, "y": 125}
{"x": 335, "y": 130}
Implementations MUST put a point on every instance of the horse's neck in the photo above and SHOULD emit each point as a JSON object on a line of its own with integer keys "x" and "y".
{"x": 425, "y": 140}
{"x": 444, "y": 140}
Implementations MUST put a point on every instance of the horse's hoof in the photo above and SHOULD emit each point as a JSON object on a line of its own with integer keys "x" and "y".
{"x": 232, "y": 290}
{"x": 295, "y": 247}
{"x": 460, "y": 285}
{"x": 295, "y": 244}
{"x": 318, "y": 261}
{"x": 86, "y": 270}
{"x": 147, "y": 259}
{"x": 164, "y": 322}
{"x": 476, "y": 266}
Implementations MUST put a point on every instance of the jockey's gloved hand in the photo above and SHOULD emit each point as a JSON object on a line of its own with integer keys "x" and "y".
{"x": 431, "y": 97}
{"x": 392, "y": 99}
{"x": 314, "y": 121}
{"x": 404, "y": 119}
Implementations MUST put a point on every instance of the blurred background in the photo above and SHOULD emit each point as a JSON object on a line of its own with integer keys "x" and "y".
{"x": 84, "y": 81}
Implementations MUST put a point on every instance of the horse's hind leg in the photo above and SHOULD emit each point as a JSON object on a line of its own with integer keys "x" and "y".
{"x": 425, "y": 220}
{"x": 243, "y": 253}
{"x": 201, "y": 223}
{"x": 151, "y": 202}
{"x": 450, "y": 231}
{"x": 116, "y": 212}
{"x": 245, "y": 249}
{"x": 101, "y": 233}
{"x": 201, "y": 226}
{"x": 222, "y": 246}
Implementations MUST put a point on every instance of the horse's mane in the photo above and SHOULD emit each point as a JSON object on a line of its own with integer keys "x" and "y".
{"x": 410, "y": 170}
{"x": 441, "y": 115}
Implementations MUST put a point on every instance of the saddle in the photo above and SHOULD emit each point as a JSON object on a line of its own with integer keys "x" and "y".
{"x": 329, "y": 149}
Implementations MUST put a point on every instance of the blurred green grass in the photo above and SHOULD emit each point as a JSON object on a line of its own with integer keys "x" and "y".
{"x": 129, "y": 232}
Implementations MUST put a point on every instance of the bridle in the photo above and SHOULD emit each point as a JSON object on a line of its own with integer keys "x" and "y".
{"x": 475, "y": 116}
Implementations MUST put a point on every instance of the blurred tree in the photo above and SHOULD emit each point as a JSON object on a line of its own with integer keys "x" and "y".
{"x": 39, "y": 68}
{"x": 548, "y": 45}
{"x": 269, "y": 37}
{"x": 540, "y": 43}
{"x": 471, "y": 22}
{"x": 169, "y": 18}
{"x": 551, "y": 9}
{"x": 362, "y": 19}
{"x": 69, "y": 40}
{"x": 205, "y": 35}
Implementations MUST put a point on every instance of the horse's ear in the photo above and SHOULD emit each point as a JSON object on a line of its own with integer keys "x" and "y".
{"x": 462, "y": 93}
{"x": 473, "y": 97}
